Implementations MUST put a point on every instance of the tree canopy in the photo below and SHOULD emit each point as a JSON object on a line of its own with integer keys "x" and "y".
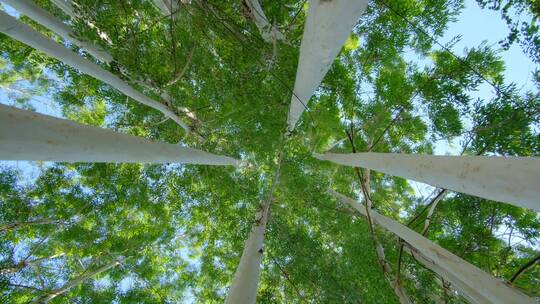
{"x": 169, "y": 233}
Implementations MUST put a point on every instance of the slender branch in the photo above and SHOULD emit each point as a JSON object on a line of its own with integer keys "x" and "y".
{"x": 398, "y": 272}
{"x": 24, "y": 263}
{"x": 17, "y": 225}
{"x": 76, "y": 281}
{"x": 286, "y": 275}
{"x": 524, "y": 268}
{"x": 434, "y": 202}
{"x": 379, "y": 249}
{"x": 184, "y": 69}
{"x": 388, "y": 127}
{"x": 24, "y": 286}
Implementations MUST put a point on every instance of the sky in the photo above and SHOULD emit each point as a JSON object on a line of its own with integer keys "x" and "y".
{"x": 476, "y": 25}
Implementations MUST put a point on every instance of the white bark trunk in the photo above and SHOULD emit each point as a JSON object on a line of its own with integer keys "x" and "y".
{"x": 467, "y": 278}
{"x": 472, "y": 295}
{"x": 74, "y": 282}
{"x": 26, "y": 135}
{"x": 166, "y": 7}
{"x": 67, "y": 7}
{"x": 434, "y": 205}
{"x": 30, "y": 9}
{"x": 246, "y": 278}
{"x": 328, "y": 25}
{"x": 268, "y": 32}
{"x": 506, "y": 179}
{"x": 19, "y": 31}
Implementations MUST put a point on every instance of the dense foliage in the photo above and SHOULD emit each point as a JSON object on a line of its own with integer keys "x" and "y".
{"x": 174, "y": 233}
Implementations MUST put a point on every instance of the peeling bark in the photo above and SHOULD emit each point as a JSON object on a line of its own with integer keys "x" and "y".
{"x": 268, "y": 32}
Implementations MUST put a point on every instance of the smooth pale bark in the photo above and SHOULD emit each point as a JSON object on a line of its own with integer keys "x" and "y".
{"x": 476, "y": 284}
{"x": 506, "y": 179}
{"x": 268, "y": 32}
{"x": 25, "y": 34}
{"x": 168, "y": 7}
{"x": 472, "y": 296}
{"x": 26, "y": 135}
{"x": 30, "y": 9}
{"x": 74, "y": 282}
{"x": 434, "y": 205}
{"x": 246, "y": 278}
{"x": 328, "y": 25}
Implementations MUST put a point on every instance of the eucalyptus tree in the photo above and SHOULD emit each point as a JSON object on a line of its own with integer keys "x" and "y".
{"x": 32, "y": 10}
{"x": 25, "y": 34}
{"x": 178, "y": 232}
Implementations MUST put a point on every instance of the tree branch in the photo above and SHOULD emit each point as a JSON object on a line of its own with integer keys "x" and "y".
{"x": 524, "y": 268}
{"x": 184, "y": 69}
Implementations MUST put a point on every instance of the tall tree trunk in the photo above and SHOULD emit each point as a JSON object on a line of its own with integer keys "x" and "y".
{"x": 505, "y": 179}
{"x": 24, "y": 264}
{"x": 328, "y": 25}
{"x": 268, "y": 32}
{"x": 74, "y": 282}
{"x": 19, "y": 31}
{"x": 26, "y": 135}
{"x": 30, "y": 9}
{"x": 246, "y": 278}
{"x": 475, "y": 284}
